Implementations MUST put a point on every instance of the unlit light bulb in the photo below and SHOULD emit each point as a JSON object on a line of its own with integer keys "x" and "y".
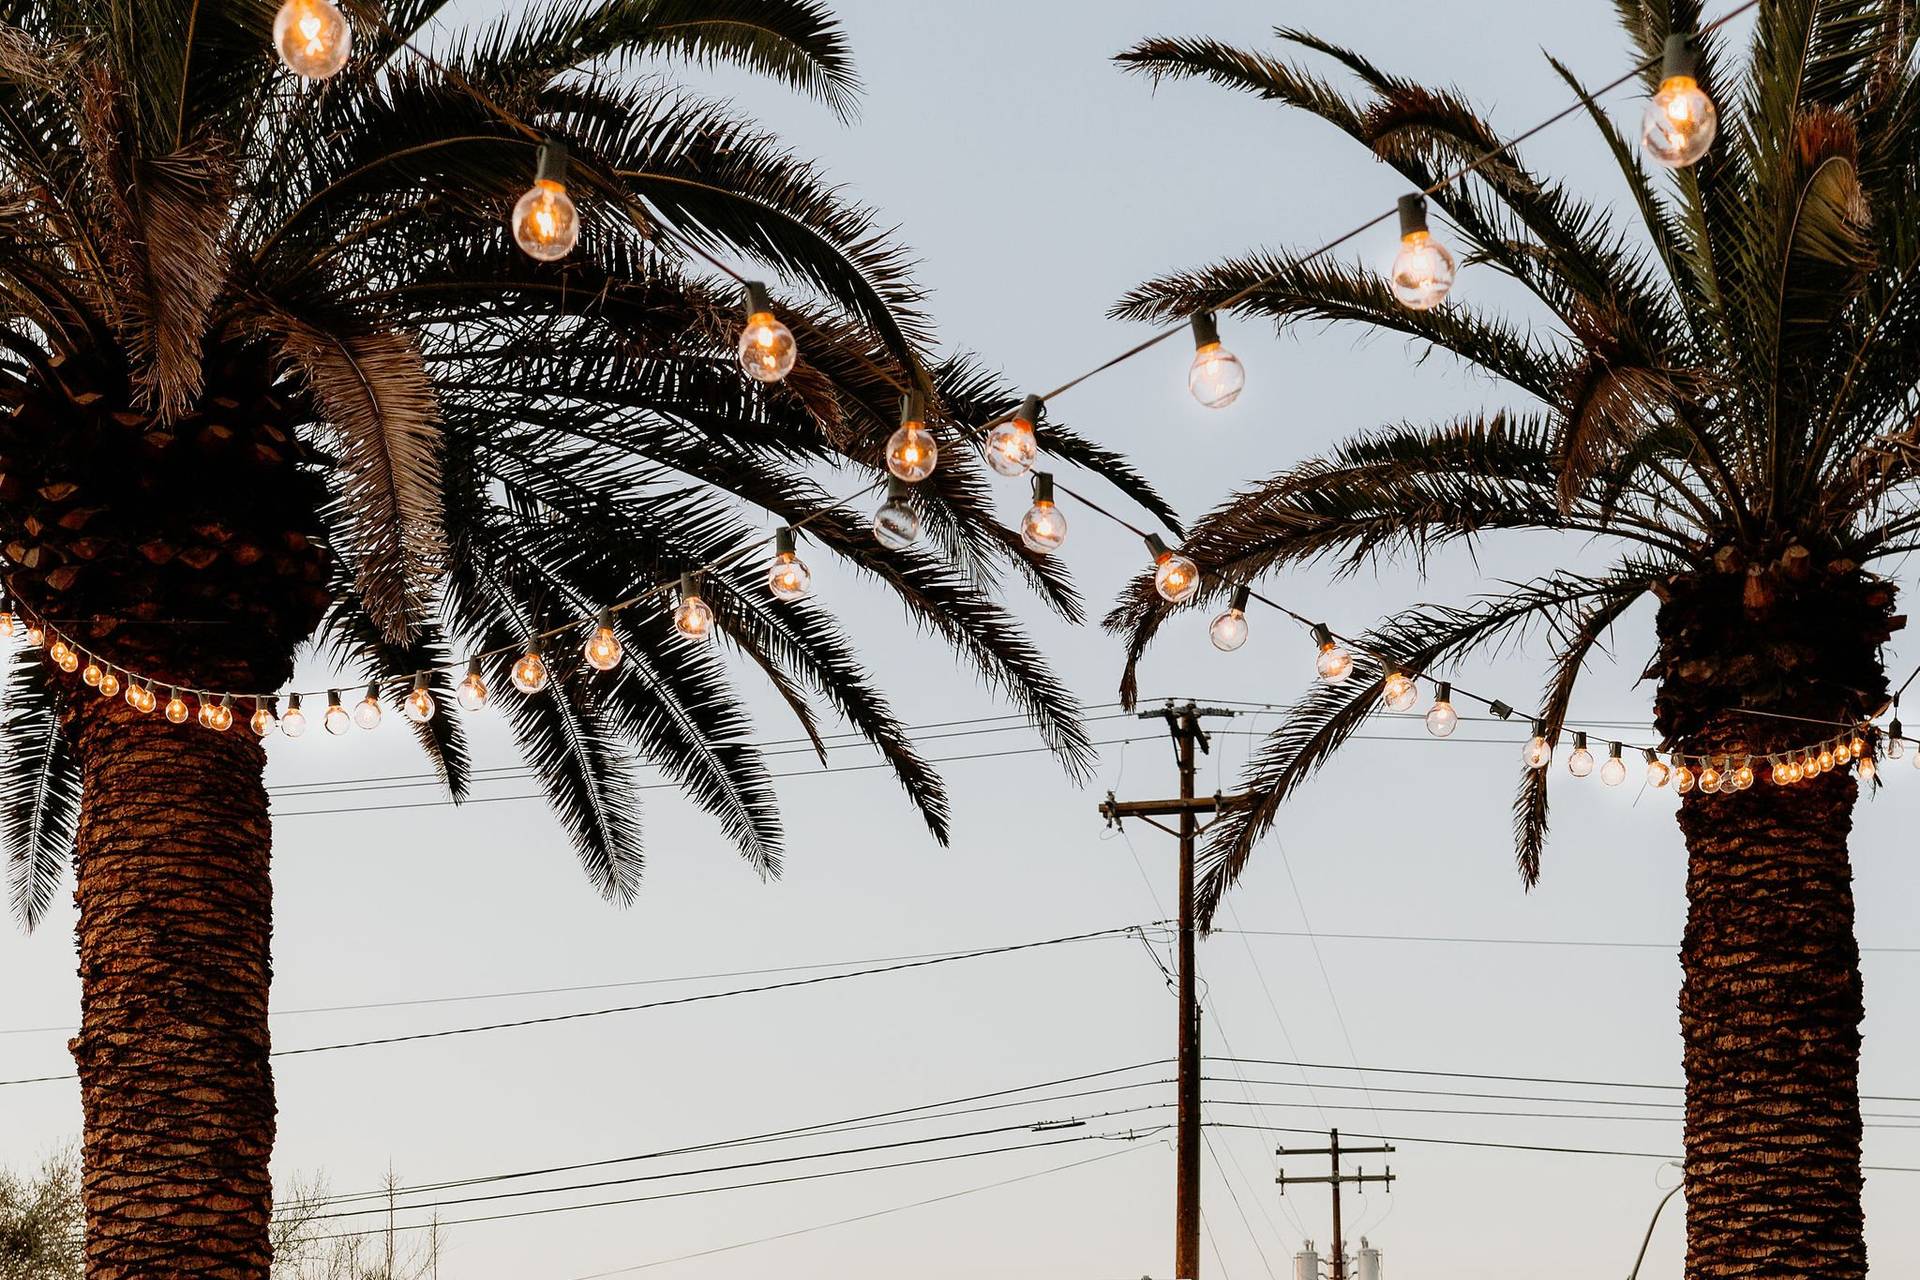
{"x": 1423, "y": 269}
{"x": 1229, "y": 631}
{"x": 911, "y": 451}
{"x": 1216, "y": 377}
{"x": 546, "y": 226}
{"x": 1657, "y": 772}
{"x": 366, "y": 713}
{"x": 767, "y": 348}
{"x": 1012, "y": 445}
{"x": 1580, "y": 763}
{"x": 1442, "y": 719}
{"x": 294, "y": 722}
{"x": 1680, "y": 120}
{"x": 1614, "y": 771}
{"x": 313, "y": 38}
{"x": 1044, "y": 527}
{"x": 896, "y": 525}
{"x": 473, "y": 692}
{"x": 336, "y": 720}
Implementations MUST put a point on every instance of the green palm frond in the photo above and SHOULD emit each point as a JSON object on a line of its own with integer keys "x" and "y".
{"x": 39, "y": 788}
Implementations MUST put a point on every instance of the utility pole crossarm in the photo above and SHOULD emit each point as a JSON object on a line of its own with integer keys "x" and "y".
{"x": 1333, "y": 1180}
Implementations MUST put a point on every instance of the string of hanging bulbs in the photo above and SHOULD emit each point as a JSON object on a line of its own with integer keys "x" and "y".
{"x": 314, "y": 39}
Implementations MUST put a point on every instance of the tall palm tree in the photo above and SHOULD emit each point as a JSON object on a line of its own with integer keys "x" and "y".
{"x": 1722, "y": 388}
{"x": 276, "y": 374}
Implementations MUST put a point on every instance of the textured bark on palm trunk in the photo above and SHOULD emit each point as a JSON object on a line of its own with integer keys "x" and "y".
{"x": 175, "y": 924}
{"x": 1770, "y": 1013}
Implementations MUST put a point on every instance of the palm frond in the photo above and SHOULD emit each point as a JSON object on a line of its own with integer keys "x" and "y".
{"x": 39, "y": 788}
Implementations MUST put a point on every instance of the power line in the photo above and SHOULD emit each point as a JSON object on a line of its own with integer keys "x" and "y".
{"x": 1670, "y": 947}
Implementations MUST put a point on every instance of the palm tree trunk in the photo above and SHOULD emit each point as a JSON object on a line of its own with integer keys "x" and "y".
{"x": 1770, "y": 1013}
{"x": 175, "y": 923}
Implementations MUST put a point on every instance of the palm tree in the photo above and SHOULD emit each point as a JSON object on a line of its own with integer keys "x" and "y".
{"x": 1723, "y": 390}
{"x": 276, "y": 374}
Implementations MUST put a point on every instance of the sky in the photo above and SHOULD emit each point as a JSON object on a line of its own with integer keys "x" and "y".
{"x": 1382, "y": 926}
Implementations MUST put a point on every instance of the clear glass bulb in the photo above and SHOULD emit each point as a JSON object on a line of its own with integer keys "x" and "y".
{"x": 1826, "y": 760}
{"x": 1679, "y": 123}
{"x": 1538, "y": 753}
{"x": 1710, "y": 780}
{"x": 337, "y": 721}
{"x": 6, "y": 623}
{"x": 1682, "y": 779}
{"x": 109, "y": 684}
{"x": 1858, "y": 746}
{"x": 1044, "y": 528}
{"x": 1895, "y": 748}
{"x": 36, "y": 634}
{"x": 603, "y": 649}
{"x": 1229, "y": 631}
{"x": 473, "y": 692}
{"x": 767, "y": 348}
{"x": 177, "y": 709}
{"x": 59, "y": 652}
{"x": 1614, "y": 771}
{"x": 545, "y": 223}
{"x": 91, "y": 676}
{"x": 1657, "y": 773}
{"x": 1216, "y": 377}
{"x": 1422, "y": 271}
{"x": 530, "y": 673}
{"x": 419, "y": 706}
{"x": 1916, "y": 759}
{"x": 294, "y": 723}
{"x": 220, "y": 717}
{"x": 1580, "y": 763}
{"x": 896, "y": 524}
{"x": 140, "y": 698}
{"x": 1012, "y": 447}
{"x": 1742, "y": 777}
{"x": 1399, "y": 691}
{"x": 788, "y": 577}
{"x": 1442, "y": 719}
{"x": 1176, "y": 578}
{"x": 313, "y": 38}
{"x": 204, "y": 717}
{"x": 693, "y": 618}
{"x": 912, "y": 453}
{"x": 1868, "y": 769}
{"x": 262, "y": 721}
{"x": 366, "y": 712}
{"x": 1842, "y": 753}
{"x": 1334, "y": 663}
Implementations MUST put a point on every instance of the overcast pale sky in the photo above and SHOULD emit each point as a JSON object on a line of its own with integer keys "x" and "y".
{"x": 1038, "y": 184}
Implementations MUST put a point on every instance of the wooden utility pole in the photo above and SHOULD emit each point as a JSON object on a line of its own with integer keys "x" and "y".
{"x": 1335, "y": 1180}
{"x": 1183, "y": 723}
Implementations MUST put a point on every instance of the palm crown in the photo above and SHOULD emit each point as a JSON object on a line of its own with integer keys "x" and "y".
{"x": 1723, "y": 391}
{"x": 275, "y": 369}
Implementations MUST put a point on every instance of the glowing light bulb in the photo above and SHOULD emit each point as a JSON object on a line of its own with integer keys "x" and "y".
{"x": 1742, "y": 778}
{"x": 1229, "y": 631}
{"x": 140, "y": 697}
{"x": 912, "y": 453}
{"x": 62, "y": 656}
{"x": 336, "y": 719}
{"x": 1868, "y": 770}
{"x": 366, "y": 712}
{"x": 313, "y": 38}
{"x": 1794, "y": 771}
{"x": 1827, "y": 759}
{"x": 294, "y": 722}
{"x": 1657, "y": 771}
{"x": 1857, "y": 747}
{"x": 896, "y": 525}
{"x": 473, "y": 692}
{"x": 1580, "y": 763}
{"x": 1012, "y": 445}
{"x": 1216, "y": 377}
{"x": 1044, "y": 527}
{"x": 1710, "y": 779}
{"x": 603, "y": 649}
{"x": 788, "y": 577}
{"x": 545, "y": 224}
{"x": 6, "y": 623}
{"x": 36, "y": 634}
{"x": 1398, "y": 690}
{"x": 767, "y": 348}
{"x": 1780, "y": 773}
{"x": 1614, "y": 771}
{"x": 1682, "y": 779}
{"x": 530, "y": 672}
{"x": 1442, "y": 719}
{"x": 91, "y": 676}
{"x": 1538, "y": 753}
{"x": 176, "y": 709}
{"x": 1175, "y": 577}
{"x": 204, "y": 716}
{"x": 1842, "y": 753}
{"x": 692, "y": 617}
{"x": 220, "y": 715}
{"x": 263, "y": 722}
{"x": 1423, "y": 269}
{"x": 419, "y": 706}
{"x": 1680, "y": 120}
{"x": 109, "y": 683}
{"x": 1334, "y": 663}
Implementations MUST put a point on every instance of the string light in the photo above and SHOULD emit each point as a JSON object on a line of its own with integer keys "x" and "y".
{"x": 1175, "y": 576}
{"x": 1423, "y": 269}
{"x": 530, "y": 672}
{"x": 141, "y": 698}
{"x": 1043, "y": 528}
{"x": 1867, "y": 769}
{"x": 1710, "y": 778}
{"x": 1743, "y": 776}
{"x": 1580, "y": 763}
{"x": 336, "y": 720}
{"x": 1614, "y": 771}
{"x": 176, "y": 709}
{"x": 693, "y": 617}
{"x": 1895, "y": 747}
{"x": 896, "y": 525}
{"x": 912, "y": 453}
{"x": 91, "y": 676}
{"x": 603, "y": 649}
{"x": 109, "y": 683}
{"x": 36, "y": 634}
{"x": 1682, "y": 778}
{"x": 1442, "y": 719}
{"x": 1827, "y": 759}
{"x": 1538, "y": 753}
{"x": 1229, "y": 631}
{"x": 546, "y": 226}
{"x": 1013, "y": 445}
{"x": 220, "y": 716}
{"x": 262, "y": 722}
{"x": 313, "y": 38}
{"x": 366, "y": 713}
{"x": 294, "y": 722}
{"x": 788, "y": 576}
{"x": 1334, "y": 663}
{"x": 1657, "y": 772}
{"x": 419, "y": 706}
{"x": 1398, "y": 690}
{"x": 767, "y": 348}
{"x": 473, "y": 693}
{"x": 63, "y": 657}
{"x": 6, "y": 622}
{"x": 1680, "y": 120}
{"x": 1216, "y": 377}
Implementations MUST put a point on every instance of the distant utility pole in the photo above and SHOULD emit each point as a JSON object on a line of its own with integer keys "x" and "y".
{"x": 1335, "y": 1179}
{"x": 1183, "y": 723}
